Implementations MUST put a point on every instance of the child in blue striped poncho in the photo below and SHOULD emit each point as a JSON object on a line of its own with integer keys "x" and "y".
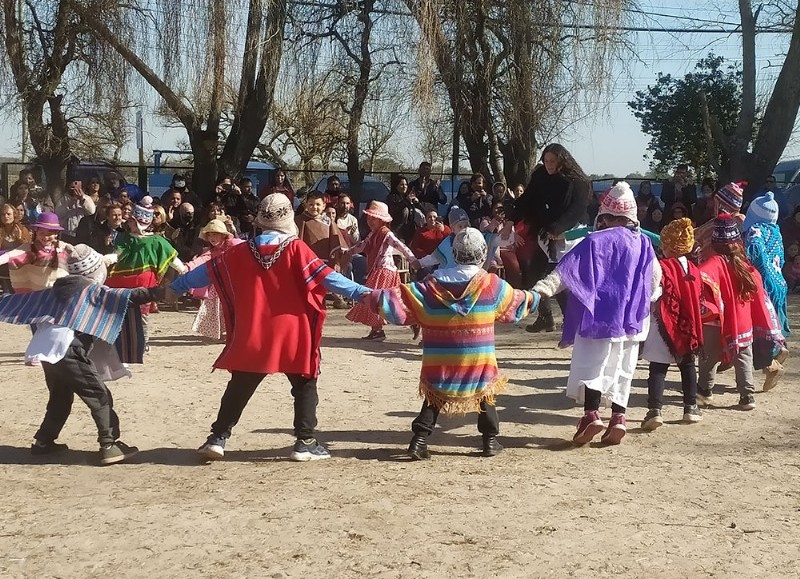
{"x": 75, "y": 320}
{"x": 764, "y": 247}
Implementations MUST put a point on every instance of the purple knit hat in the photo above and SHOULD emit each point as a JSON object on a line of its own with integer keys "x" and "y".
{"x": 726, "y": 230}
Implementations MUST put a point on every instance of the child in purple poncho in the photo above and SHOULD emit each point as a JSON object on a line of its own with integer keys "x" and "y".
{"x": 611, "y": 277}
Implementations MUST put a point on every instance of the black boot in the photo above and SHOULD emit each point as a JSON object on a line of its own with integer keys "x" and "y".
{"x": 418, "y": 449}
{"x": 491, "y": 447}
{"x": 542, "y": 324}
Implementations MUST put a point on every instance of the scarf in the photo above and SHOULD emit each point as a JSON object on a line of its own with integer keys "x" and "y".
{"x": 678, "y": 312}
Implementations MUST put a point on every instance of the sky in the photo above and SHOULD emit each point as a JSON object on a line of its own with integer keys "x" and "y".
{"x": 611, "y": 140}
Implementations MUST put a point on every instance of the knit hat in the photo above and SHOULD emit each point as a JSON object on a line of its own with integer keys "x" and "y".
{"x": 143, "y": 211}
{"x": 85, "y": 261}
{"x": 275, "y": 213}
{"x": 677, "y": 237}
{"x": 763, "y": 209}
{"x": 620, "y": 202}
{"x": 49, "y": 221}
{"x": 379, "y": 211}
{"x": 469, "y": 247}
{"x": 214, "y": 226}
{"x": 457, "y": 215}
{"x": 726, "y": 230}
{"x": 730, "y": 198}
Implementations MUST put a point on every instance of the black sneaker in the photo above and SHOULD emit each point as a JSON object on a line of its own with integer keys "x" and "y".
{"x": 116, "y": 452}
{"x": 418, "y": 449}
{"x": 213, "y": 448}
{"x": 692, "y": 414}
{"x": 305, "y": 450}
{"x": 747, "y": 402}
{"x": 542, "y": 324}
{"x": 652, "y": 420}
{"x": 40, "y": 448}
{"x": 491, "y": 447}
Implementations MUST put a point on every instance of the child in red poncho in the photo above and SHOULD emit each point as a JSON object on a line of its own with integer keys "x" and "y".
{"x": 736, "y": 316}
{"x": 676, "y": 334}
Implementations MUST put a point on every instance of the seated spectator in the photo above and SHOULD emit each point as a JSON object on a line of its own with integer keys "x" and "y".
{"x": 654, "y": 220}
{"x": 427, "y": 238}
{"x": 185, "y": 236}
{"x": 216, "y": 211}
{"x": 476, "y": 201}
{"x": 103, "y": 237}
{"x": 14, "y": 234}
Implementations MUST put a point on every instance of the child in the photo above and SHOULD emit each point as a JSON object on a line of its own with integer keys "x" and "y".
{"x": 678, "y": 333}
{"x": 764, "y": 248}
{"x": 791, "y": 274}
{"x": 379, "y": 247}
{"x": 74, "y": 318}
{"x": 272, "y": 291}
{"x": 37, "y": 265}
{"x": 443, "y": 256}
{"x": 318, "y": 231}
{"x": 735, "y": 311}
{"x": 209, "y": 321}
{"x": 727, "y": 201}
{"x": 611, "y": 276}
{"x": 457, "y": 308}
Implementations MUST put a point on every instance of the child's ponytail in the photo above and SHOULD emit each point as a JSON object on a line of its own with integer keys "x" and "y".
{"x": 745, "y": 282}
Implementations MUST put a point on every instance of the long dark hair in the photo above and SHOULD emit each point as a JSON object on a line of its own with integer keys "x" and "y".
{"x": 567, "y": 164}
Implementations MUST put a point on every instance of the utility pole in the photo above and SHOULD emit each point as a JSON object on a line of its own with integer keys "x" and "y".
{"x": 140, "y": 145}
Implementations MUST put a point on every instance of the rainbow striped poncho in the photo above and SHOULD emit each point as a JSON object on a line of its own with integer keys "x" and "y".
{"x": 459, "y": 368}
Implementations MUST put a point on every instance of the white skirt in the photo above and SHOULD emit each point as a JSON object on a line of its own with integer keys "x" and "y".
{"x": 606, "y": 366}
{"x": 655, "y": 348}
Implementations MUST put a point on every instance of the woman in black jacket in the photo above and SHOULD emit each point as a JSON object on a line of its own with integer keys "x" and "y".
{"x": 555, "y": 201}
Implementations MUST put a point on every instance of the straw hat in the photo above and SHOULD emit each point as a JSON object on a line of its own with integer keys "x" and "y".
{"x": 214, "y": 226}
{"x": 378, "y": 210}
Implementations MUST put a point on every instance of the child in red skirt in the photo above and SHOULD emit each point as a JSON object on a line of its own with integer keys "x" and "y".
{"x": 379, "y": 247}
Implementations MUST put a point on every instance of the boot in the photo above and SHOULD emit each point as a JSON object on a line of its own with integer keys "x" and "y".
{"x": 418, "y": 449}
{"x": 491, "y": 447}
{"x": 544, "y": 322}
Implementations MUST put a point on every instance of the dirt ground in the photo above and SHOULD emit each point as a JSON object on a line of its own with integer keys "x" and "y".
{"x": 716, "y": 499}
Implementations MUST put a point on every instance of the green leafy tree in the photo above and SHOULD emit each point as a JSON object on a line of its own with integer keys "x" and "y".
{"x": 671, "y": 114}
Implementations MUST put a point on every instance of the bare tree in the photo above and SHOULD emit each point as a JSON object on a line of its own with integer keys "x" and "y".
{"x": 197, "y": 50}
{"x": 748, "y": 158}
{"x": 383, "y": 118}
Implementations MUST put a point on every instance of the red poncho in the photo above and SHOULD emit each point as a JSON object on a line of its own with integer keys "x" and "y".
{"x": 273, "y": 315}
{"x": 678, "y": 314}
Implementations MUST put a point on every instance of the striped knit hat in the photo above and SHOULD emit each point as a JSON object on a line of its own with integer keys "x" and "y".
{"x": 620, "y": 202}
{"x": 763, "y": 209}
{"x": 726, "y": 230}
{"x": 469, "y": 247}
{"x": 730, "y": 198}
{"x": 85, "y": 261}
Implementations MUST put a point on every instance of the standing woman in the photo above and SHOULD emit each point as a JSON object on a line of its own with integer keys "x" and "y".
{"x": 555, "y": 201}
{"x": 405, "y": 209}
{"x": 280, "y": 184}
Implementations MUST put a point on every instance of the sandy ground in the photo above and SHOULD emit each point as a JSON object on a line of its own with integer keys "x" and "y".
{"x": 717, "y": 499}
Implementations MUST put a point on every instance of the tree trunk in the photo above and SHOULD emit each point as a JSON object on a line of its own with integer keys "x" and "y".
{"x": 205, "y": 168}
{"x": 50, "y": 141}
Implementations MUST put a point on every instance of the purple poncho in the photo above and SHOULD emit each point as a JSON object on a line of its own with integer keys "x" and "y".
{"x": 609, "y": 276}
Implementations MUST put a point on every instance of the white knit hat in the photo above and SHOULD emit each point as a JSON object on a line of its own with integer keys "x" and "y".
{"x": 620, "y": 202}
{"x": 85, "y": 261}
{"x": 275, "y": 213}
{"x": 469, "y": 247}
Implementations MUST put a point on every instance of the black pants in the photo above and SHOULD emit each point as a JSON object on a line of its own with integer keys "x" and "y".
{"x": 241, "y": 388}
{"x": 76, "y": 374}
{"x": 591, "y": 402}
{"x": 488, "y": 421}
{"x": 543, "y": 269}
{"x": 656, "y": 383}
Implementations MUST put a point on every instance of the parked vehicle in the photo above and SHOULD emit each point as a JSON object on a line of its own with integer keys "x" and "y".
{"x": 787, "y": 173}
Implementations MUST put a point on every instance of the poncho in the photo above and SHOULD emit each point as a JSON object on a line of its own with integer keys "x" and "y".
{"x": 459, "y": 368}
{"x": 142, "y": 261}
{"x": 609, "y": 276}
{"x": 765, "y": 251}
{"x": 678, "y": 313}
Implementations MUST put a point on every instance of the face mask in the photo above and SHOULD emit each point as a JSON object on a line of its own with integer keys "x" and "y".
{"x": 187, "y": 217}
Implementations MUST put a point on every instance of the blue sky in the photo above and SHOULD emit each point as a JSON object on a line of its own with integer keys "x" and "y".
{"x": 611, "y": 140}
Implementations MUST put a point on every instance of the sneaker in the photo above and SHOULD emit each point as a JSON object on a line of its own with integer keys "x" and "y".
{"x": 773, "y": 375}
{"x": 705, "y": 397}
{"x": 39, "y": 448}
{"x": 213, "y": 448}
{"x": 305, "y": 450}
{"x": 692, "y": 414}
{"x": 491, "y": 447}
{"x": 616, "y": 430}
{"x": 415, "y": 330}
{"x": 652, "y": 420}
{"x": 116, "y": 452}
{"x": 542, "y": 324}
{"x": 418, "y": 448}
{"x": 375, "y": 336}
{"x": 747, "y": 402}
{"x": 589, "y": 427}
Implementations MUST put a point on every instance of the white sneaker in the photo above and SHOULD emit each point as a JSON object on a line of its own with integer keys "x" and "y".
{"x": 213, "y": 449}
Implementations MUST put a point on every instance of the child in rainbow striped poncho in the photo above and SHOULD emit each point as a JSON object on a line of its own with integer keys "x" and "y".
{"x": 457, "y": 308}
